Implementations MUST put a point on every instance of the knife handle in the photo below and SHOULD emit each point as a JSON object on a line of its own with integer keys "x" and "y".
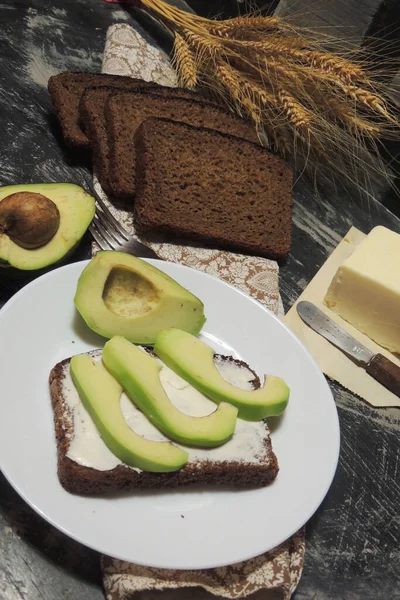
{"x": 386, "y": 372}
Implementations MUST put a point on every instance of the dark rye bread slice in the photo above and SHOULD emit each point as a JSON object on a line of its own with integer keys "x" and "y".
{"x": 200, "y": 184}
{"x": 66, "y": 90}
{"x": 78, "y": 479}
{"x": 124, "y": 113}
{"x": 93, "y": 121}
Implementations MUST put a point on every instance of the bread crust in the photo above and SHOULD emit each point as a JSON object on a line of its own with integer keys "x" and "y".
{"x": 81, "y": 480}
{"x": 65, "y": 90}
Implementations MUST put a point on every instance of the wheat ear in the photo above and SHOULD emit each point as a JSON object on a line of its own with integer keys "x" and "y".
{"x": 185, "y": 62}
{"x": 269, "y": 45}
{"x": 231, "y": 27}
{"x": 299, "y": 116}
{"x": 368, "y": 99}
{"x": 202, "y": 45}
{"x": 346, "y": 70}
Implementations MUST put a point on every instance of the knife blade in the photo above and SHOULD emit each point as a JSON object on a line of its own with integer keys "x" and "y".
{"x": 383, "y": 370}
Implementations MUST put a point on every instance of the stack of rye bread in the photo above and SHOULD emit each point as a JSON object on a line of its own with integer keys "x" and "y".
{"x": 190, "y": 169}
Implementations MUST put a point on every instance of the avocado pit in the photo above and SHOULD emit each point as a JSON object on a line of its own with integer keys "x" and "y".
{"x": 127, "y": 293}
{"x": 29, "y": 219}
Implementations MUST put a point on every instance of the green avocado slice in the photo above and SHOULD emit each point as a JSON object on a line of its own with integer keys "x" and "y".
{"x": 101, "y": 394}
{"x": 138, "y": 373}
{"x": 76, "y": 209}
{"x": 120, "y": 294}
{"x": 193, "y": 360}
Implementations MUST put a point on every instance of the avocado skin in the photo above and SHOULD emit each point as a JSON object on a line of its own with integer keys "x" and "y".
{"x": 100, "y": 394}
{"x": 193, "y": 360}
{"x": 76, "y": 254}
{"x": 77, "y": 209}
{"x": 175, "y": 305}
{"x": 138, "y": 374}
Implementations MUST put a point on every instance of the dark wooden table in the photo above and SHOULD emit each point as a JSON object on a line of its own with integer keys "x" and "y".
{"x": 353, "y": 539}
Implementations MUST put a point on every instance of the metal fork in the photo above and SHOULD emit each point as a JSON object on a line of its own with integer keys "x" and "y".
{"x": 110, "y": 235}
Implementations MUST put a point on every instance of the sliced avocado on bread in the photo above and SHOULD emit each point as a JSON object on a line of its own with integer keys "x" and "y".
{"x": 87, "y": 466}
{"x": 139, "y": 375}
{"x": 120, "y": 294}
{"x": 100, "y": 394}
{"x": 193, "y": 360}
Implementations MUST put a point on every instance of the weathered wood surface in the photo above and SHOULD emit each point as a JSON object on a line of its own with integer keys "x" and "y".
{"x": 353, "y": 540}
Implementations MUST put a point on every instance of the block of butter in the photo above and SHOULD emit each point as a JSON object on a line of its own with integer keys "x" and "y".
{"x": 365, "y": 291}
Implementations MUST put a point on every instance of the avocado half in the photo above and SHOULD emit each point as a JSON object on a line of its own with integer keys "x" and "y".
{"x": 76, "y": 209}
{"x": 120, "y": 294}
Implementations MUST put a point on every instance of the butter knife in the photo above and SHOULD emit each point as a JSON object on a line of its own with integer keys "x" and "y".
{"x": 378, "y": 366}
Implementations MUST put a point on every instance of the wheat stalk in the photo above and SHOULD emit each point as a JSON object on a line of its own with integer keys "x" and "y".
{"x": 318, "y": 108}
{"x": 185, "y": 62}
{"x": 246, "y": 96}
{"x": 343, "y": 69}
{"x": 268, "y": 45}
{"x": 243, "y": 87}
{"x": 205, "y": 43}
{"x": 368, "y": 99}
{"x": 346, "y": 115}
{"x": 241, "y": 25}
{"x": 299, "y": 116}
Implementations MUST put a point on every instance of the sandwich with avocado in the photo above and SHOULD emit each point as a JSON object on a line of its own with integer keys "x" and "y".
{"x": 129, "y": 417}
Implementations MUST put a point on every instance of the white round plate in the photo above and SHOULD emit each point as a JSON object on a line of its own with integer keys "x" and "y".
{"x": 182, "y": 529}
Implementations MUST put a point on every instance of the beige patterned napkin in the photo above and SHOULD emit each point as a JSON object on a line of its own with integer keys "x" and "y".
{"x": 271, "y": 576}
{"x": 275, "y": 575}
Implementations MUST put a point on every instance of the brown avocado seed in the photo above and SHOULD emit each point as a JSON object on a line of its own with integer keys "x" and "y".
{"x": 29, "y": 219}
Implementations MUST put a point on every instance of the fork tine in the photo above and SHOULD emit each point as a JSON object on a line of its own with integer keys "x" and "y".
{"x": 109, "y": 228}
{"x": 105, "y": 234}
{"x": 98, "y": 238}
{"x": 110, "y": 217}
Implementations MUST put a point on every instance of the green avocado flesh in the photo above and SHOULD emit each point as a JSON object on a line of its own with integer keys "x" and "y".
{"x": 139, "y": 375}
{"x": 119, "y": 294}
{"x": 193, "y": 360}
{"x": 76, "y": 209}
{"x": 101, "y": 394}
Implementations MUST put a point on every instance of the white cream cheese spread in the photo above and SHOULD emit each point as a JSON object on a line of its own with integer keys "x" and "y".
{"x": 88, "y": 449}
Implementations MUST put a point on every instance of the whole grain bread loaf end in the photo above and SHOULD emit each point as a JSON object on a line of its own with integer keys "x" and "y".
{"x": 93, "y": 120}
{"x": 66, "y": 90}
{"x": 124, "y": 113}
{"x": 199, "y": 184}
{"x": 78, "y": 479}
